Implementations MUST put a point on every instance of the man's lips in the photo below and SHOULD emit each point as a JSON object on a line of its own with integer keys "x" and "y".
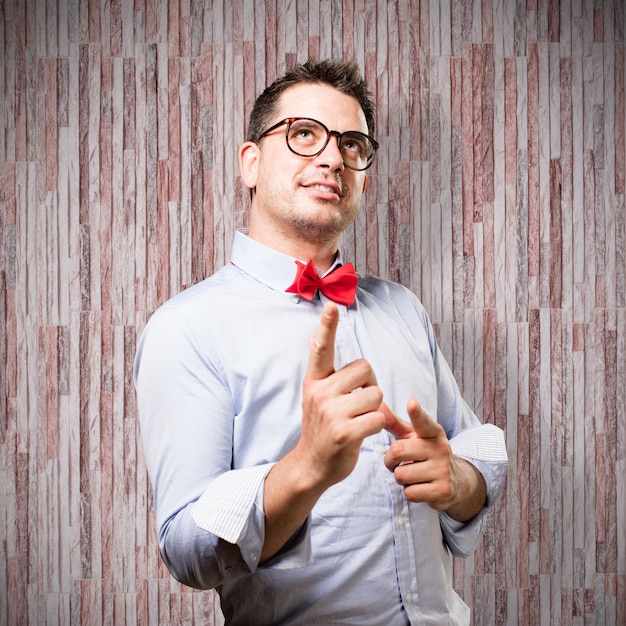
{"x": 324, "y": 187}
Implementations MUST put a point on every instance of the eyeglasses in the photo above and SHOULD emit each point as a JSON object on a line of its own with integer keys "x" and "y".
{"x": 308, "y": 138}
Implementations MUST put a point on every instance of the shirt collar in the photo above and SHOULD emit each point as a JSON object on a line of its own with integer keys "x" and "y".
{"x": 266, "y": 265}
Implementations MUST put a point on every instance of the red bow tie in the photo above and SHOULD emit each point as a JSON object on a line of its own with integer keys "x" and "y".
{"x": 339, "y": 286}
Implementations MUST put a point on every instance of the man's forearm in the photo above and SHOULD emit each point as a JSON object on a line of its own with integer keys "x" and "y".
{"x": 289, "y": 497}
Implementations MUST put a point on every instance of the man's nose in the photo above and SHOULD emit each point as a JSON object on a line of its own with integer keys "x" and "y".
{"x": 331, "y": 155}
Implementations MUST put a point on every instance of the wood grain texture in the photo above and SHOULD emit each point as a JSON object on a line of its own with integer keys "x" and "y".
{"x": 498, "y": 196}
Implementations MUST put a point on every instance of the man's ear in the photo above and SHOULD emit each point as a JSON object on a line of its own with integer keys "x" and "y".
{"x": 249, "y": 163}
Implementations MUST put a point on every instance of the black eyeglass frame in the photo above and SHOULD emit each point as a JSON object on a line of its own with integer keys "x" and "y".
{"x": 290, "y": 120}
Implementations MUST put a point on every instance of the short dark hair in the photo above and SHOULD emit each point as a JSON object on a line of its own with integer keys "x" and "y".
{"x": 345, "y": 76}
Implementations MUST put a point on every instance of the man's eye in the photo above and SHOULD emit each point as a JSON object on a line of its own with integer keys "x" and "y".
{"x": 354, "y": 145}
{"x": 302, "y": 133}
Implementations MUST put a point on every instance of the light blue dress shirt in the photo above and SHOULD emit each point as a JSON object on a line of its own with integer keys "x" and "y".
{"x": 218, "y": 376}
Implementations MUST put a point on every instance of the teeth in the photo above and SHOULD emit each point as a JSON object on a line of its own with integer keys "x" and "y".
{"x": 323, "y": 188}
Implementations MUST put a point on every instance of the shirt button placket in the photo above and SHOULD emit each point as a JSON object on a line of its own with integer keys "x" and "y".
{"x": 347, "y": 347}
{"x": 406, "y": 577}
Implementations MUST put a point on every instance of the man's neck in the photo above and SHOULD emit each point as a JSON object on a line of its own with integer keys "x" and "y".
{"x": 322, "y": 255}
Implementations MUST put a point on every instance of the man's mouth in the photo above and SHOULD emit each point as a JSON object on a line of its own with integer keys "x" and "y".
{"x": 325, "y": 187}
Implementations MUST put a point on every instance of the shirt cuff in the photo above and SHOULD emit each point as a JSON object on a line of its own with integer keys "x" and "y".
{"x": 486, "y": 450}
{"x": 226, "y": 506}
{"x": 232, "y": 509}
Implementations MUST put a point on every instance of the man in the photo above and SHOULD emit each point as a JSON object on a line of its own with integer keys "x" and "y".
{"x": 282, "y": 473}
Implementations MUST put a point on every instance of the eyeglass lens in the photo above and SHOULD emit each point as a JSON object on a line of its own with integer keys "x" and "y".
{"x": 308, "y": 138}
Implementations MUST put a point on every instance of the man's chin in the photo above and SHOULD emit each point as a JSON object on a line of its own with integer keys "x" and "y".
{"x": 322, "y": 232}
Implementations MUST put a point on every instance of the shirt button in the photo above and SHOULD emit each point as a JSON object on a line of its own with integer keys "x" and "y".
{"x": 253, "y": 556}
{"x": 409, "y": 597}
{"x": 401, "y": 521}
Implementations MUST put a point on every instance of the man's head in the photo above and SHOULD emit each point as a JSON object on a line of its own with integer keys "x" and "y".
{"x": 344, "y": 76}
{"x": 308, "y": 147}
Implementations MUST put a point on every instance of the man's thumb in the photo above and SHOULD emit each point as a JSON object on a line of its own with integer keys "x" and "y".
{"x": 394, "y": 425}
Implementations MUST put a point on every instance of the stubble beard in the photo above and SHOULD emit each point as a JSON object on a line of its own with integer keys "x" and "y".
{"x": 323, "y": 224}
{"x": 320, "y": 232}
{"x": 318, "y": 223}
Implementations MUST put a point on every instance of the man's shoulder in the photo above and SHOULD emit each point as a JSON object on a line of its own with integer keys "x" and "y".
{"x": 371, "y": 283}
{"x": 392, "y": 296}
{"x": 206, "y": 288}
{"x": 202, "y": 306}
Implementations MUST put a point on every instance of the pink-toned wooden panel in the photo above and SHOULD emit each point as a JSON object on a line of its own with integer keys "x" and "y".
{"x": 498, "y": 196}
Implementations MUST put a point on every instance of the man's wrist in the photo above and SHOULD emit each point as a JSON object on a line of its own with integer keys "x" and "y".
{"x": 473, "y": 490}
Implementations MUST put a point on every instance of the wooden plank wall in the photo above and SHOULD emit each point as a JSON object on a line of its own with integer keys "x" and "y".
{"x": 498, "y": 196}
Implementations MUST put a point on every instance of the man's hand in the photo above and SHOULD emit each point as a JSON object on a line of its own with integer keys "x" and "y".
{"x": 340, "y": 408}
{"x": 423, "y": 463}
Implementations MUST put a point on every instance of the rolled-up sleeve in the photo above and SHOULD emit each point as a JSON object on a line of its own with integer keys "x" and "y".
{"x": 484, "y": 447}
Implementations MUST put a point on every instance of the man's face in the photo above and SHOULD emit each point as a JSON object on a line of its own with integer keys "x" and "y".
{"x": 306, "y": 198}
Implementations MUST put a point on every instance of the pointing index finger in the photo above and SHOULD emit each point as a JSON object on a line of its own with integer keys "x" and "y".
{"x": 322, "y": 344}
{"x": 394, "y": 425}
{"x": 423, "y": 424}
